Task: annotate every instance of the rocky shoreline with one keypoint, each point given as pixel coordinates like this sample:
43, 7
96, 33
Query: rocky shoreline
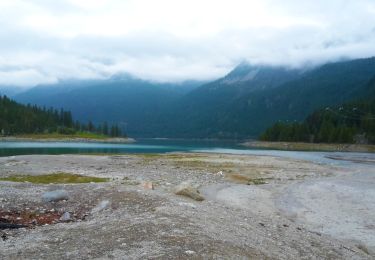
295, 146
188, 205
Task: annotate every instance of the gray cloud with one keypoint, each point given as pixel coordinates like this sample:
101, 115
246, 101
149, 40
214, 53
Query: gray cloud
44, 41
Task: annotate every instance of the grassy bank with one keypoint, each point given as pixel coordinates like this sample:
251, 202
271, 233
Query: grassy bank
291, 146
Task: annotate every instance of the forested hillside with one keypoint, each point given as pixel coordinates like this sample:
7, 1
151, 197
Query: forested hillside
26, 119
249, 114
136, 106
240, 105
352, 122
17, 119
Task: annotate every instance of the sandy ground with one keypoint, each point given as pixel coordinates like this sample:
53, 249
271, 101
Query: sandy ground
302, 210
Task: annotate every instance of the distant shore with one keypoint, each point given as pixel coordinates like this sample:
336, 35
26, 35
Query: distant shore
291, 146
66, 138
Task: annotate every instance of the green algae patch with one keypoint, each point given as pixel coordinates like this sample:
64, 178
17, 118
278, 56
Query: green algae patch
56, 178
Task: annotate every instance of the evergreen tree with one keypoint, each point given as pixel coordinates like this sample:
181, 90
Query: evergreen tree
331, 125
105, 128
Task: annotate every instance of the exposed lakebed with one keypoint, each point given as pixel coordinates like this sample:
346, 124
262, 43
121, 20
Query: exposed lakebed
257, 204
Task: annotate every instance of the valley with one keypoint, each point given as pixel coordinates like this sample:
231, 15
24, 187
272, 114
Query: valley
240, 105
143, 129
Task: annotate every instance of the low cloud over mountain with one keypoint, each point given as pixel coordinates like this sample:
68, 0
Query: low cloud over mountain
166, 40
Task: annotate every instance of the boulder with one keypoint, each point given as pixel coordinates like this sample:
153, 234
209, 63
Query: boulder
188, 190
56, 195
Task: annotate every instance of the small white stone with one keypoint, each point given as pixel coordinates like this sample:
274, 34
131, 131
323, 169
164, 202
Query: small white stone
101, 206
189, 252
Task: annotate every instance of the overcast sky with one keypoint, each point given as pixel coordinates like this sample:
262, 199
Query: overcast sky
42, 41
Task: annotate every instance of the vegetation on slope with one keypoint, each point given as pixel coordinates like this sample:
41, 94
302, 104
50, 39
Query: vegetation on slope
227, 111
17, 119
352, 122
241, 105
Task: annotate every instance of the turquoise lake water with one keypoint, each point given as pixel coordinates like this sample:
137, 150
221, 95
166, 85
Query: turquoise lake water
141, 146
169, 145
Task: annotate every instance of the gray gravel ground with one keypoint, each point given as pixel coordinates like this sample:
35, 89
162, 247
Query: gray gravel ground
304, 211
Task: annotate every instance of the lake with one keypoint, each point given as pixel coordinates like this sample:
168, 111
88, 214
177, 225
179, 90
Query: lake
172, 145
141, 146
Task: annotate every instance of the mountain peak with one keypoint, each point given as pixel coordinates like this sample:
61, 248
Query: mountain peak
259, 76
123, 76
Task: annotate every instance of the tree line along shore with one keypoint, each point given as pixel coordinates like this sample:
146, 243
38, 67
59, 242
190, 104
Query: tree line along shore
26, 121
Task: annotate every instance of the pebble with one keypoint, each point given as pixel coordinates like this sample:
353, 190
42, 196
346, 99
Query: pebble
148, 185
65, 217
101, 206
191, 205
189, 252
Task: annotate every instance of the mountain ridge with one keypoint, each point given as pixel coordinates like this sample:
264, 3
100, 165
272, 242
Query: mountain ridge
241, 104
